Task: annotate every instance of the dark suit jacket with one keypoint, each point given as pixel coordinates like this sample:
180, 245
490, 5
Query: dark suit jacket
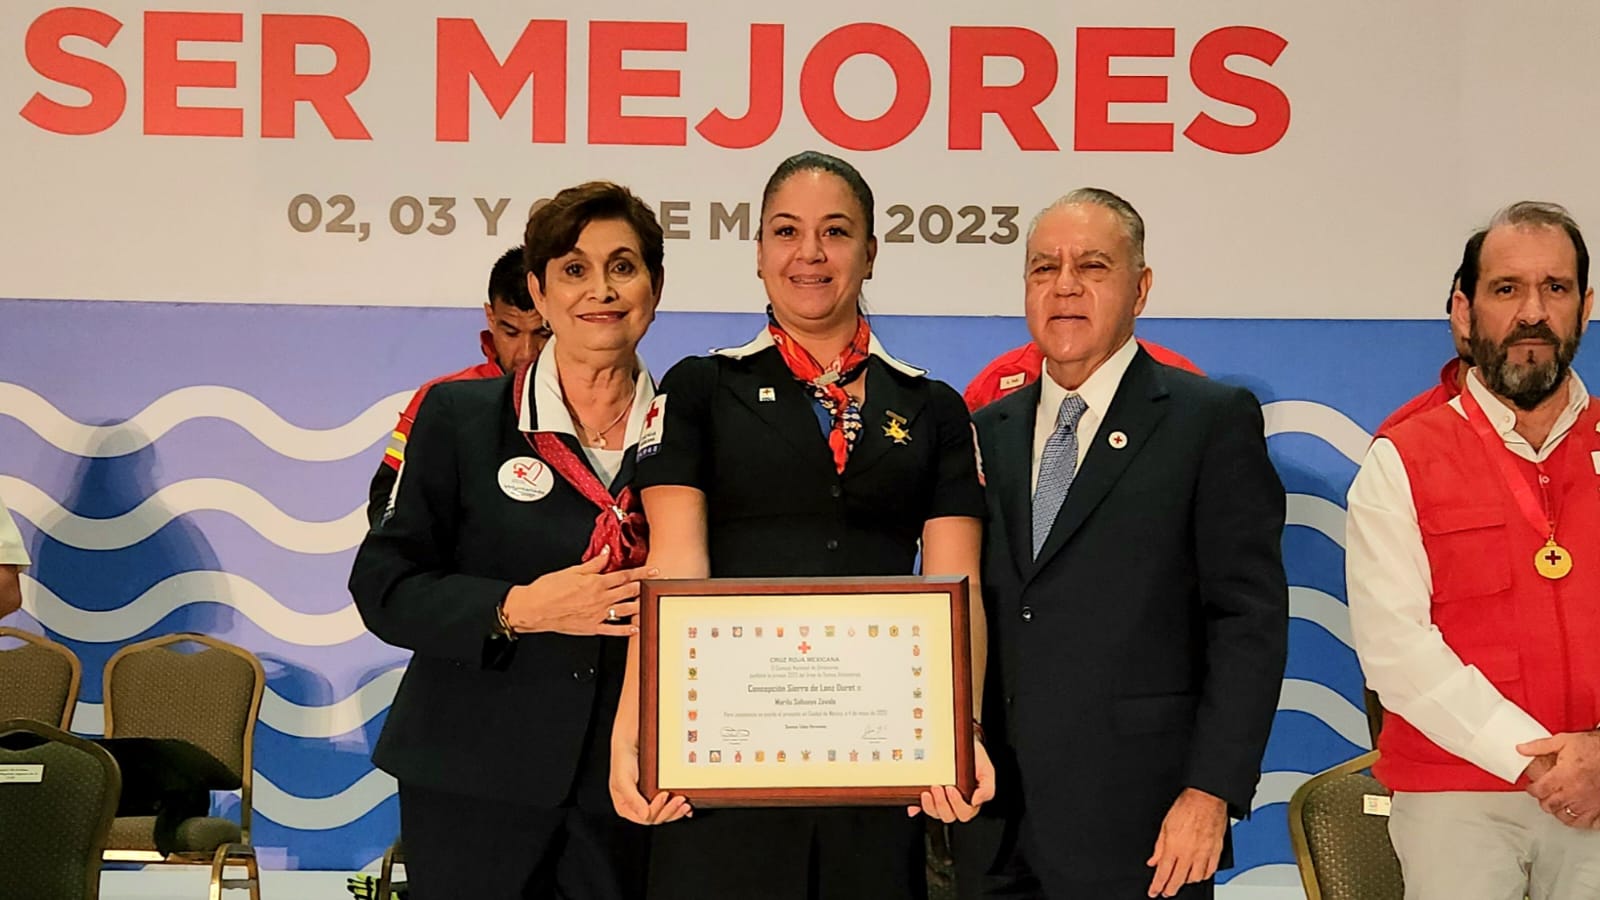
1143, 652
475, 714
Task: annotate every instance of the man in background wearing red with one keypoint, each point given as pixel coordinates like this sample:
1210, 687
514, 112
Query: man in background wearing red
1451, 377
515, 335
1015, 369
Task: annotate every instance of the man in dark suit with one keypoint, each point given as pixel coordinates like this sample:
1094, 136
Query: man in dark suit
1134, 584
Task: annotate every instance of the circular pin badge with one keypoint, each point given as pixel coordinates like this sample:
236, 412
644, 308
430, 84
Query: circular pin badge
1117, 440
526, 479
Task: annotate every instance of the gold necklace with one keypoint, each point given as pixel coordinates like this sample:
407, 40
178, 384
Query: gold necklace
598, 438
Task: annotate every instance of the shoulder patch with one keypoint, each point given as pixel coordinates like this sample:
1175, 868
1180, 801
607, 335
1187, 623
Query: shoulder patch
655, 427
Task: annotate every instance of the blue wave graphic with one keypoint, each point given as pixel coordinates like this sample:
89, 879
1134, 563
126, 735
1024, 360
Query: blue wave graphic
1322, 658
1313, 560
252, 450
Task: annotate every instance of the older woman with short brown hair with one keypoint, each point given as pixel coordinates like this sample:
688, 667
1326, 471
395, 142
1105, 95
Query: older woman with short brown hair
510, 567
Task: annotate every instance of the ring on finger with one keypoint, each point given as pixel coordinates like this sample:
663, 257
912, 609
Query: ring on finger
1569, 812
611, 613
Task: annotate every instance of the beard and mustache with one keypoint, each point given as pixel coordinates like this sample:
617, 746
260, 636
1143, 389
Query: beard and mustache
1526, 383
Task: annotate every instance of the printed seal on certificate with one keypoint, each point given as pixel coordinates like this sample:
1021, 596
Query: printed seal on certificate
805, 691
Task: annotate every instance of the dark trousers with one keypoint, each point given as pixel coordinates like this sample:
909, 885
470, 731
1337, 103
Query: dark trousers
460, 847
871, 853
995, 861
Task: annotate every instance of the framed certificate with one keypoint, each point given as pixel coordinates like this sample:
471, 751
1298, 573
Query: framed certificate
804, 691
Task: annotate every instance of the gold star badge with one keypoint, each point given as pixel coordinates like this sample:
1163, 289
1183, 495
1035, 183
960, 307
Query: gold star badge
895, 429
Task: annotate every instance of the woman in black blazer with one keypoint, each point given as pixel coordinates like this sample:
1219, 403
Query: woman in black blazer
510, 562
771, 463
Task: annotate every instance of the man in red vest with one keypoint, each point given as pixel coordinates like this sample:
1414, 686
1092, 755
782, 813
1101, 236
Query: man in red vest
1020, 366
1474, 572
1451, 377
515, 335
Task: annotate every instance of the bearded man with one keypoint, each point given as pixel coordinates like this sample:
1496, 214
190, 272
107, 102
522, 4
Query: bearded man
1473, 569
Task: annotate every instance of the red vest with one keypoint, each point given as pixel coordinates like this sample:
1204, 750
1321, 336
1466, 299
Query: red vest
1537, 640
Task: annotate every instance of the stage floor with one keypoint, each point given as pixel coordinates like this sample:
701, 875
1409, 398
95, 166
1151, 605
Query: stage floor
191, 885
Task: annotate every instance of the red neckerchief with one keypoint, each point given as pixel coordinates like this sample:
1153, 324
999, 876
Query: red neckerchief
620, 524
828, 384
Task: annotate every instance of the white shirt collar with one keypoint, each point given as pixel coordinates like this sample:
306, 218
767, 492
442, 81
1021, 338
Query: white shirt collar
764, 340
544, 386
1504, 419
1097, 391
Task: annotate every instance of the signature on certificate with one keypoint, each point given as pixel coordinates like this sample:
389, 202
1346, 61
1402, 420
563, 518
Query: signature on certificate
875, 733
735, 734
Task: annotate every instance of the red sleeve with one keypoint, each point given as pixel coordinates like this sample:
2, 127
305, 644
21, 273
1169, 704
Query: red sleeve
981, 390
394, 452
1169, 357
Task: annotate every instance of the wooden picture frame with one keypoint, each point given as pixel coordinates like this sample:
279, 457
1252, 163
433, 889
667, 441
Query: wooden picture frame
866, 702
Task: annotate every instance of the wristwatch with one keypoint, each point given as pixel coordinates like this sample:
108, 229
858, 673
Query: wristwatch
502, 625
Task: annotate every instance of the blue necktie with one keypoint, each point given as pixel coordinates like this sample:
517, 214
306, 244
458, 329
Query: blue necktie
1057, 467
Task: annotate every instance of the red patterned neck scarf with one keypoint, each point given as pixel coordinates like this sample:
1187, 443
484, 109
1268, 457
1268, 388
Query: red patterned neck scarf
620, 524
827, 384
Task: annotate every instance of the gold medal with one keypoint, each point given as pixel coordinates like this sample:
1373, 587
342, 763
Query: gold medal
1552, 561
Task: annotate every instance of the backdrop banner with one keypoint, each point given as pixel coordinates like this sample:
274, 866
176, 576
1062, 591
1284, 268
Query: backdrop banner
306, 197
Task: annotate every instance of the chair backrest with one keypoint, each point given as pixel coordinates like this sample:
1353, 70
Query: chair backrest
53, 831
38, 680
1341, 847
210, 699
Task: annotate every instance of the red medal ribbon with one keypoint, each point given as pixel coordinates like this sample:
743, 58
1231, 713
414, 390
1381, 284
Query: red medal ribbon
828, 384
1538, 514
620, 524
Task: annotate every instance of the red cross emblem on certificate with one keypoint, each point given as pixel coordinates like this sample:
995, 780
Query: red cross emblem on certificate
804, 647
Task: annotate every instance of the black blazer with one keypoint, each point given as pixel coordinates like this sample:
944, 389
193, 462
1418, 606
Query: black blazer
1143, 652
775, 504
475, 714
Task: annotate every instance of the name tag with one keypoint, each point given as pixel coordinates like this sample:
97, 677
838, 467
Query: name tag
22, 773
1375, 804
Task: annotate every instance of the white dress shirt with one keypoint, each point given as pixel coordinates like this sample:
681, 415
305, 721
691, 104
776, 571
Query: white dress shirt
12, 553
1097, 391
1390, 585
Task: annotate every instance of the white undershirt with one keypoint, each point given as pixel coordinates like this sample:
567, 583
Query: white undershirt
1390, 586
606, 463
1097, 391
